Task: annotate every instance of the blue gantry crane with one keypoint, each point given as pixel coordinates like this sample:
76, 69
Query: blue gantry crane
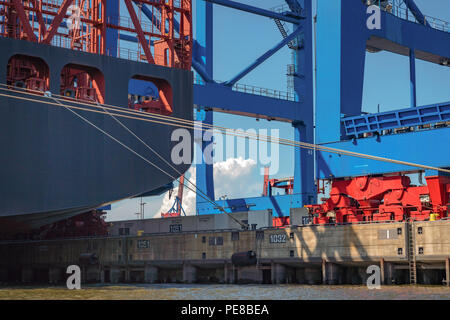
329, 56
298, 111
337, 120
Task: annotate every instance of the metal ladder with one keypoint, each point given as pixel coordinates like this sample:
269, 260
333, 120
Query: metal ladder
412, 253
281, 27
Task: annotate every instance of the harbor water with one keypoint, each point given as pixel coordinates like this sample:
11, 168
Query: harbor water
225, 292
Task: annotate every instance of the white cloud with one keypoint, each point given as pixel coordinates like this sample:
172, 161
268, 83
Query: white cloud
232, 178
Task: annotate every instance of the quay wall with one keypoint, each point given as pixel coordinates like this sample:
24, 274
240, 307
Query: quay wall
300, 254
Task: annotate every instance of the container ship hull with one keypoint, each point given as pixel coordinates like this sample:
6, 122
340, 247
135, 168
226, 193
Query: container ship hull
55, 165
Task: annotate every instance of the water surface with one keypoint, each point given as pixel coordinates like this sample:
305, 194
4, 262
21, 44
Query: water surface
234, 292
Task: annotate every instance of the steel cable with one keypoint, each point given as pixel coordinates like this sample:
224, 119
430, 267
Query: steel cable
190, 124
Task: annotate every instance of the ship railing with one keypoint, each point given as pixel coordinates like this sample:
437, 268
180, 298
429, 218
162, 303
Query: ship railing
280, 8
127, 23
52, 5
176, 3
245, 88
133, 55
62, 42
128, 54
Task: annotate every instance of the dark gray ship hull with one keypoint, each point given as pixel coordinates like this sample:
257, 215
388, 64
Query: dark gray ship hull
55, 165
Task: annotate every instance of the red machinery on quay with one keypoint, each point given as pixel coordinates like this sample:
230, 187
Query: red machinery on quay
383, 198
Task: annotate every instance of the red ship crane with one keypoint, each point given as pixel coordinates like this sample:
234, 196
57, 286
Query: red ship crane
161, 33
177, 207
86, 24
83, 26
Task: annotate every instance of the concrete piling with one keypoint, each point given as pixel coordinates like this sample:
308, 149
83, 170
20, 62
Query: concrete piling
27, 275
389, 273
447, 271
150, 274
102, 276
331, 273
278, 273
92, 274
249, 274
127, 276
54, 275
328, 273
313, 275
115, 275
382, 270
300, 275
229, 273
3, 275
189, 273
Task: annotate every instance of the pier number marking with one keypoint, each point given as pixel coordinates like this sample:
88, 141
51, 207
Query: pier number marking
174, 228
143, 244
277, 238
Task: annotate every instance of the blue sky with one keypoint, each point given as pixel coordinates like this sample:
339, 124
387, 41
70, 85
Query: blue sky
240, 37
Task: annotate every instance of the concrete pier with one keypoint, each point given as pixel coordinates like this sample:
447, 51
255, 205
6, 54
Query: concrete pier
92, 274
27, 275
330, 273
189, 273
447, 271
150, 274
249, 274
229, 273
278, 273
54, 275
3, 275
127, 277
430, 276
389, 273
306, 255
312, 276
102, 276
115, 275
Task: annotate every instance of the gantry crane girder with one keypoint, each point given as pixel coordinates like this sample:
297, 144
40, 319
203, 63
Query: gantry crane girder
225, 97
342, 42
